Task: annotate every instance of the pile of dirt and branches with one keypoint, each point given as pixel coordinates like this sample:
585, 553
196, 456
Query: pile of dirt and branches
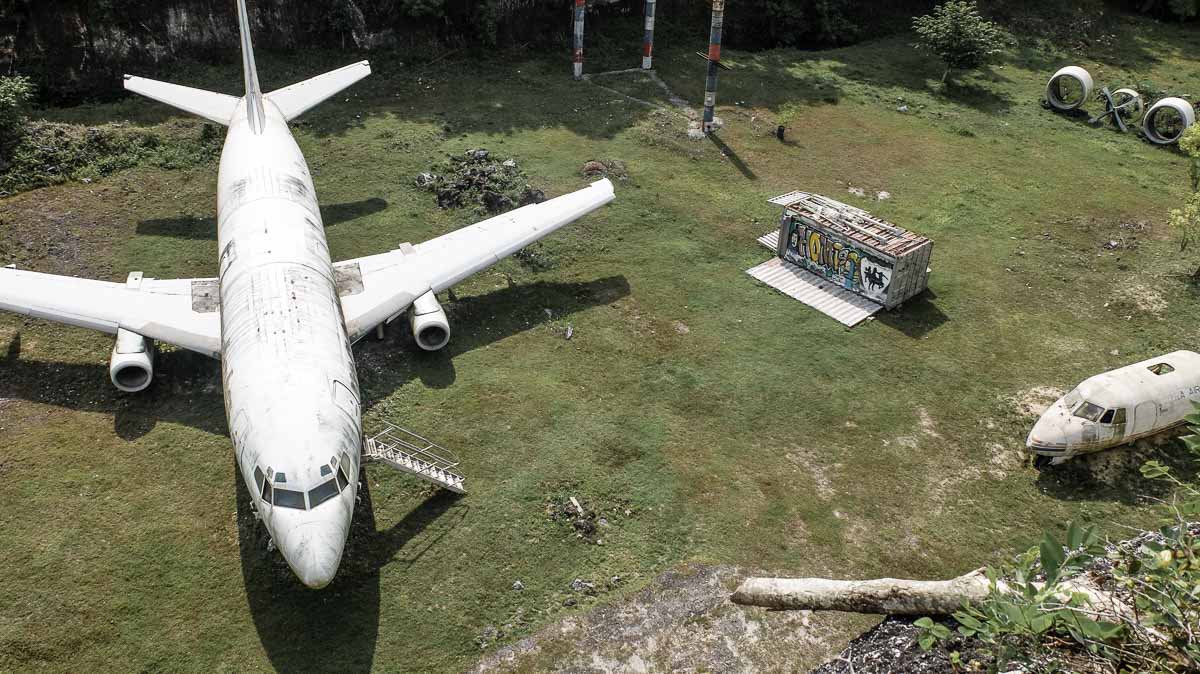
478, 178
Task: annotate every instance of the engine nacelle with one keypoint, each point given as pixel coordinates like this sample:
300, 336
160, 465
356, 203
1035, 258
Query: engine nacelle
428, 321
131, 367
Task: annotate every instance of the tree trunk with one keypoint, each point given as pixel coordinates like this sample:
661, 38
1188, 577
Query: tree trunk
889, 596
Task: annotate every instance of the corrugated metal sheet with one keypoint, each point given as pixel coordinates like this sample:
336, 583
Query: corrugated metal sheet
770, 239
844, 306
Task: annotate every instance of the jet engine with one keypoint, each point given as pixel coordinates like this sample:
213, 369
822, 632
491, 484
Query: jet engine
428, 322
131, 367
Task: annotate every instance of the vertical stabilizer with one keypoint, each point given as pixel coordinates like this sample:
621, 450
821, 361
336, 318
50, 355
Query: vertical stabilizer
254, 96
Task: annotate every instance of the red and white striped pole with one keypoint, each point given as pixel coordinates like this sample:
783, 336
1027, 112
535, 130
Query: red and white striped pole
580, 6
648, 40
714, 58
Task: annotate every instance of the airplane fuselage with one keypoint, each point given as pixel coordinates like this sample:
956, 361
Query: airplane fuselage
291, 389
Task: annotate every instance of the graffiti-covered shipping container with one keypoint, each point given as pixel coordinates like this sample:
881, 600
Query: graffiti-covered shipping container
852, 248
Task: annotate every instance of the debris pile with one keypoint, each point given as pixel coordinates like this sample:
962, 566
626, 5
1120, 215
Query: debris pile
605, 168
478, 178
587, 520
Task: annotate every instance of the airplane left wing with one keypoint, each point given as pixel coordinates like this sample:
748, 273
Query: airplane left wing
183, 312
378, 288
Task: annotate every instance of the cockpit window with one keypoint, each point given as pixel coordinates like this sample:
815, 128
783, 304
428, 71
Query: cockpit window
289, 499
1108, 417
1161, 368
1119, 417
341, 478
281, 477
322, 493
326, 470
266, 492
1089, 411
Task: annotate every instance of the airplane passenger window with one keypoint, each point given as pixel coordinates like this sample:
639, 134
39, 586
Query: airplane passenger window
322, 493
1108, 417
289, 499
1089, 411
1120, 416
1161, 368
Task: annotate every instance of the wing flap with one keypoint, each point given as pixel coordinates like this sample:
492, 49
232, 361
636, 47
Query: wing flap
161, 310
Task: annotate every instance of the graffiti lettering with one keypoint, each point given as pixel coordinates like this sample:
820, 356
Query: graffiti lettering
837, 260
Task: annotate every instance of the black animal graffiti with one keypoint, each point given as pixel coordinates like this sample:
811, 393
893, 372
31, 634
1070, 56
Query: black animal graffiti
874, 278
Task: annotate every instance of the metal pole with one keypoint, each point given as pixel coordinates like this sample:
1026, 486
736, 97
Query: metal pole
580, 6
714, 57
648, 40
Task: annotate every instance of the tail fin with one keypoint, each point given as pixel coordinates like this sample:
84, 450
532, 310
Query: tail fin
299, 98
254, 96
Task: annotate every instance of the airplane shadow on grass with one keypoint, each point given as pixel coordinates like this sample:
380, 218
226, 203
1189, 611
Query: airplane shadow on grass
200, 228
187, 386
335, 628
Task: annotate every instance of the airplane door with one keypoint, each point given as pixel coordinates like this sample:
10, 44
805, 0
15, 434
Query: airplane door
1145, 418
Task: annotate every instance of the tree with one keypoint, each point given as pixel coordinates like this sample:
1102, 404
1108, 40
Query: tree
959, 35
15, 96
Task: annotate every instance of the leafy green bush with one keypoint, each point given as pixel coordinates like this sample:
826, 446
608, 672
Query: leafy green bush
49, 153
1185, 222
15, 96
959, 35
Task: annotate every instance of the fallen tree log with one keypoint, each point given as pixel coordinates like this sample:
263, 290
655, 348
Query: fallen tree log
889, 596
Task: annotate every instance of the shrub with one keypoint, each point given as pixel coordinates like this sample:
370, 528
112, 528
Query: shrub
959, 36
15, 96
48, 153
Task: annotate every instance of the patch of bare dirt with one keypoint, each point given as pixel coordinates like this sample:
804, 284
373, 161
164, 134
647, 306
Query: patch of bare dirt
807, 461
1037, 400
1140, 297
683, 622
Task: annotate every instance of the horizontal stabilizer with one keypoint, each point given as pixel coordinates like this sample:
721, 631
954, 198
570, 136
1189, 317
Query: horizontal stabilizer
207, 104
299, 98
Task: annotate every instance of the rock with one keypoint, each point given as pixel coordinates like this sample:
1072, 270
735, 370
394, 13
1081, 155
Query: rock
425, 180
883, 195
478, 155
518, 586
531, 195
569, 601
509, 164
857, 191
903, 108
584, 586
594, 168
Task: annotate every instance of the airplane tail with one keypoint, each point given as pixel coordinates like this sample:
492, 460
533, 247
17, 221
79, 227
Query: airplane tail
254, 95
292, 101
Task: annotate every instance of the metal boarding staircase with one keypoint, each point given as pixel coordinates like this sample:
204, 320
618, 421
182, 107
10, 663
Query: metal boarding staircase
406, 451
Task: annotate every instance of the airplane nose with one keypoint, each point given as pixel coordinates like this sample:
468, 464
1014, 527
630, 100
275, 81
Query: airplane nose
314, 551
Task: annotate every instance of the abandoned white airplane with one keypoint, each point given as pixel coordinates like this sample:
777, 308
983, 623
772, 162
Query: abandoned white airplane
281, 317
1118, 407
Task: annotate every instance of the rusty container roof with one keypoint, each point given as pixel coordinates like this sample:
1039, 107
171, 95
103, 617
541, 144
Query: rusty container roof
851, 222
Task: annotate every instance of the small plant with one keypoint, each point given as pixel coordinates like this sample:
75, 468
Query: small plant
1185, 222
959, 36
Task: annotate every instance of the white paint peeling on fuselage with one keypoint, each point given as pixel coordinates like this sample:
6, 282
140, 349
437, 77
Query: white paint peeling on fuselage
291, 390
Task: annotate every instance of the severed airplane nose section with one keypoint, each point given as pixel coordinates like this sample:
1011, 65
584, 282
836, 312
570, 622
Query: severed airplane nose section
314, 551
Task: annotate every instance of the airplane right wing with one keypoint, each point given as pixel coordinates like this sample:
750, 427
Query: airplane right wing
378, 288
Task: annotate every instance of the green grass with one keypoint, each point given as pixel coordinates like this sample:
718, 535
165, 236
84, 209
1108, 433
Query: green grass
763, 434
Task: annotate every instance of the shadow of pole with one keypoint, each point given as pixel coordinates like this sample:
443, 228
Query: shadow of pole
733, 157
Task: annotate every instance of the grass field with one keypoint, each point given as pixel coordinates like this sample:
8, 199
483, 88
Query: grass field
707, 416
